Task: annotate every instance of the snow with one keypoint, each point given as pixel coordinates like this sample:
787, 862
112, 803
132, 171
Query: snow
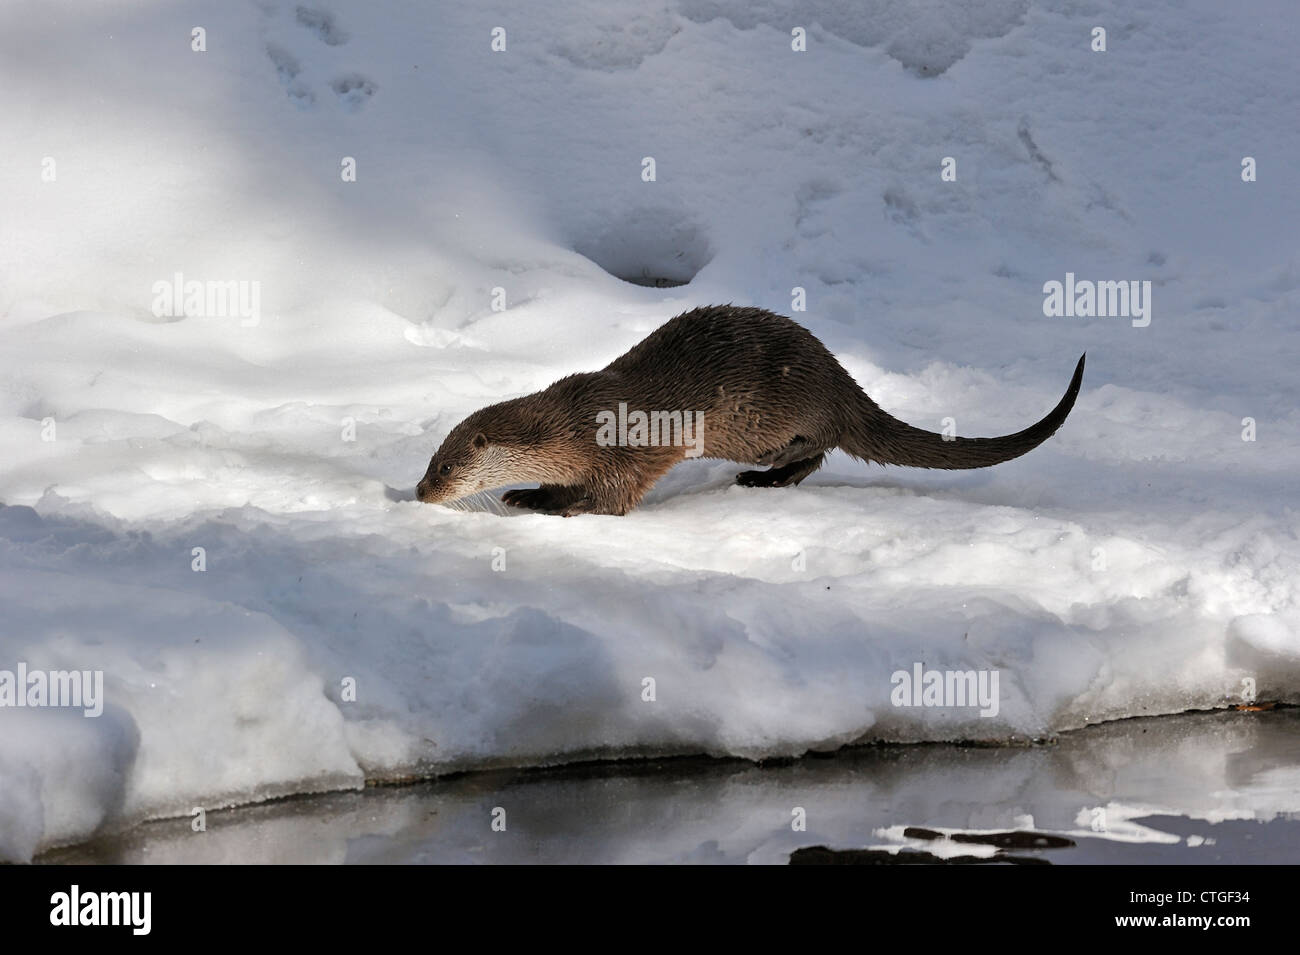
1142, 561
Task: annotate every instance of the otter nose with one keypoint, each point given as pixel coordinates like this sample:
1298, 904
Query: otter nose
422, 490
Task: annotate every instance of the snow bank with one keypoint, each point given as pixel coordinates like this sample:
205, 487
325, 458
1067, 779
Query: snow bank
1144, 561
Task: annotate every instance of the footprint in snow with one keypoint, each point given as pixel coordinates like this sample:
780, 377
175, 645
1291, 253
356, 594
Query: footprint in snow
353, 90
321, 23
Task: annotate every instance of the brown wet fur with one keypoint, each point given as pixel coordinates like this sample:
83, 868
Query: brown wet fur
772, 396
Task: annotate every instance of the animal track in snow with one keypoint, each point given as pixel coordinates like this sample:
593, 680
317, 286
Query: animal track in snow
285, 63
615, 40
287, 67
925, 36
321, 23
353, 90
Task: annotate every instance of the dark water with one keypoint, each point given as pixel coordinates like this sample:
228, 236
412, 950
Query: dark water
1198, 788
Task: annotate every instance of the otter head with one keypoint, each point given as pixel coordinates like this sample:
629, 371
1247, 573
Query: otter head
484, 451
456, 468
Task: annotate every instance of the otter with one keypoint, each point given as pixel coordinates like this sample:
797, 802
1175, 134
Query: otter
766, 391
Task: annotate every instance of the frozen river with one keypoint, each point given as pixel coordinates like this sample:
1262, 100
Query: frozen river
1221, 787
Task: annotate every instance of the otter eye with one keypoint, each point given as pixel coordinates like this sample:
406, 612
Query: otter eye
445, 470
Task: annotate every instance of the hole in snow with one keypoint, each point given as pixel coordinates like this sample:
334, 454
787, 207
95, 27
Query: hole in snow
657, 248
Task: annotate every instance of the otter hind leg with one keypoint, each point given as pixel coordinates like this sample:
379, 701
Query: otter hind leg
788, 474
798, 449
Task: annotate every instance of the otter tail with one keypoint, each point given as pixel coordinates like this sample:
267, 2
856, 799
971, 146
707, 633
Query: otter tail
880, 437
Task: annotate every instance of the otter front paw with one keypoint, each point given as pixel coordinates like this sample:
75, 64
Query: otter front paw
532, 498
757, 478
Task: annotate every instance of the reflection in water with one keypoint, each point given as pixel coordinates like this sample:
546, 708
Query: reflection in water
1204, 787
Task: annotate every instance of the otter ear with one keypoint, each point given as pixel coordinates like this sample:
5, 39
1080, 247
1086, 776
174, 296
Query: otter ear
480, 441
